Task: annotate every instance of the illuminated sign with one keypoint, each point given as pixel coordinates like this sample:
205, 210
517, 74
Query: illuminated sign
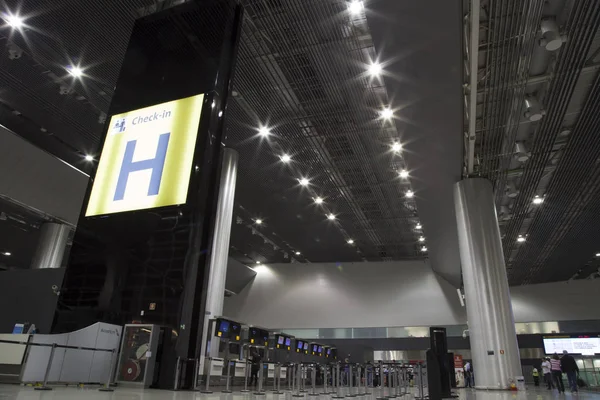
147, 158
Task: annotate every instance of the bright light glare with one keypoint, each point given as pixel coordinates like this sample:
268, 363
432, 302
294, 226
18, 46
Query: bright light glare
286, 158
387, 113
76, 71
258, 262
89, 158
396, 147
410, 194
375, 69
521, 239
350, 241
14, 21
404, 174
303, 181
421, 239
297, 253
597, 254
319, 200
424, 249
264, 131
355, 7
258, 221
331, 217
7, 253
419, 226
538, 200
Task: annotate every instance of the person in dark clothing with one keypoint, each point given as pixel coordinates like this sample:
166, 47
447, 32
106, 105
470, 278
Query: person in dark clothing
569, 367
255, 359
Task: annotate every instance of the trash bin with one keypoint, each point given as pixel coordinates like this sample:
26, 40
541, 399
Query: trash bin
520, 382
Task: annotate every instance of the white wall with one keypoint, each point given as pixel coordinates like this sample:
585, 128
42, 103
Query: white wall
39, 180
346, 295
357, 295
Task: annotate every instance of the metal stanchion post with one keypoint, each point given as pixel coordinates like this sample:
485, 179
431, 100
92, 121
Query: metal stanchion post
177, 373
338, 393
227, 390
350, 382
325, 373
358, 380
107, 387
206, 388
381, 382
298, 377
48, 367
260, 391
390, 380
196, 373
313, 376
278, 376
246, 369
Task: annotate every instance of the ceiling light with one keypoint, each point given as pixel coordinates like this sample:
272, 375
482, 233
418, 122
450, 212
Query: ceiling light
396, 147
375, 69
533, 109
597, 254
14, 21
424, 249
297, 253
355, 7
264, 131
258, 221
538, 200
286, 158
404, 174
258, 262
350, 241
303, 181
521, 153
7, 253
319, 200
76, 71
410, 194
551, 39
419, 226
387, 113
89, 158
421, 239
331, 217
521, 239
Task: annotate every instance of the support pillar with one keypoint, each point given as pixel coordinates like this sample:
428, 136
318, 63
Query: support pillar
51, 246
494, 348
219, 254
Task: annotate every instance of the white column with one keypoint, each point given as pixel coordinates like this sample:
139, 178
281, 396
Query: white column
51, 246
494, 347
220, 246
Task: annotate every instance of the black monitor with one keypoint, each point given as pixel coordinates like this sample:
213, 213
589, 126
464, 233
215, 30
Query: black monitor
227, 329
258, 336
315, 349
320, 349
305, 347
280, 339
288, 341
299, 346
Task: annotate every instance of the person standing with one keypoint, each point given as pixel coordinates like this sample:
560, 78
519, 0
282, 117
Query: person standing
255, 359
468, 374
536, 377
557, 373
569, 367
546, 370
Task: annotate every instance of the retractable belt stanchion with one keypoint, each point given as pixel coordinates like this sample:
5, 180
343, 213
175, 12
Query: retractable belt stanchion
390, 379
313, 378
228, 378
106, 387
381, 382
338, 386
260, 391
325, 376
359, 380
246, 370
298, 385
278, 377
350, 382
48, 367
207, 383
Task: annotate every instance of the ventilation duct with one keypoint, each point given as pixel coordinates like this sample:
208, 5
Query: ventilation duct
551, 39
533, 109
521, 153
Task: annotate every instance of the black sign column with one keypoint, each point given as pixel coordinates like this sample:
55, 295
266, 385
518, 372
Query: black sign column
141, 250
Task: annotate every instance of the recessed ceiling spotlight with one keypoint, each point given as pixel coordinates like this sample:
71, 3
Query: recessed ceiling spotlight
304, 181
89, 158
264, 131
7, 253
258, 262
75, 71
375, 69
419, 226
319, 200
410, 194
355, 7
330, 217
259, 221
297, 253
597, 254
424, 249
396, 147
404, 174
350, 241
14, 21
521, 239
538, 200
286, 158
387, 113
421, 239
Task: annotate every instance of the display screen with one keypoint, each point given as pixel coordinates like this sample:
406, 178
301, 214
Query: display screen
300, 344
306, 346
315, 348
328, 352
147, 158
288, 341
224, 328
581, 344
320, 349
280, 339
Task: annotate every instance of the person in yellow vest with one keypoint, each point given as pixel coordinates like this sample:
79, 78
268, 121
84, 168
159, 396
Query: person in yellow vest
536, 377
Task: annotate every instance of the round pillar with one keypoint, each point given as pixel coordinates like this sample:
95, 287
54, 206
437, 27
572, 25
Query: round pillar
494, 347
51, 246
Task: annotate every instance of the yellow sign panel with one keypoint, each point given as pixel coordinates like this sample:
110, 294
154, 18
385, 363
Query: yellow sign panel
147, 158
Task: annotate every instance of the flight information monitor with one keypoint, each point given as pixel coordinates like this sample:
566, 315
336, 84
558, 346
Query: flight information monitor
306, 347
320, 349
299, 346
288, 341
586, 345
227, 329
258, 336
280, 339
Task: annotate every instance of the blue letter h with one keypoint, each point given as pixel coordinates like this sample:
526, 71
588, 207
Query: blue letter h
155, 164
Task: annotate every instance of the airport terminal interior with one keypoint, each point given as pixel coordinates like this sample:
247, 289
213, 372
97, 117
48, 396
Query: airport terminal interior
279, 199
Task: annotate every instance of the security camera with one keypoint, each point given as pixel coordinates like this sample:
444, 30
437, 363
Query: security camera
64, 90
14, 51
55, 290
464, 335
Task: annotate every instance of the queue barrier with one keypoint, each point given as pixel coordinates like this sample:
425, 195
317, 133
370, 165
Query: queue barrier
53, 347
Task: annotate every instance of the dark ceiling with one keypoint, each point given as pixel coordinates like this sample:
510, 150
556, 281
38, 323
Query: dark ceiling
302, 72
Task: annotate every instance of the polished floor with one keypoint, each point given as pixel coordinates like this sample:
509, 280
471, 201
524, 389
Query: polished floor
14, 392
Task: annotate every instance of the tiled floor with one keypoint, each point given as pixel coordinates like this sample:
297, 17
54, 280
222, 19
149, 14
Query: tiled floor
13, 392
